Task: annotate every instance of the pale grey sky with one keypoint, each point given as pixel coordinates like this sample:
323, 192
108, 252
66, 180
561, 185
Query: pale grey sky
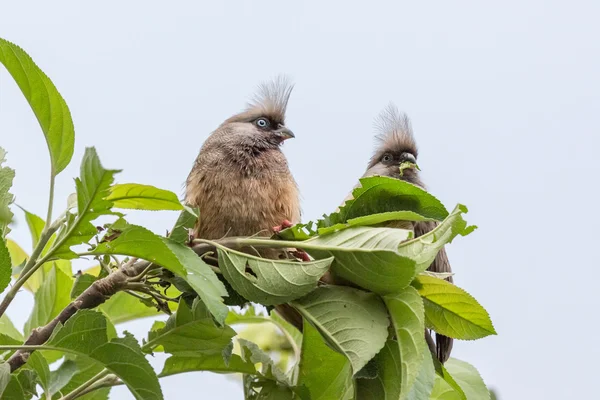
504, 100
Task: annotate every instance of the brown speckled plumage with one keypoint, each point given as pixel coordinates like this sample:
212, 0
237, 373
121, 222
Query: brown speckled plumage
240, 180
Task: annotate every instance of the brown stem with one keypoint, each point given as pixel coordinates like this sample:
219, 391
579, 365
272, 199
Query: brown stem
92, 297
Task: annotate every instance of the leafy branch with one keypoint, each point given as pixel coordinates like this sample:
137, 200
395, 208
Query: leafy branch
365, 337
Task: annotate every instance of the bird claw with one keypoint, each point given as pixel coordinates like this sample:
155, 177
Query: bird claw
301, 255
284, 225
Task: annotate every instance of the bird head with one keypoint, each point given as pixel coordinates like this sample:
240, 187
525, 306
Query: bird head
262, 124
395, 145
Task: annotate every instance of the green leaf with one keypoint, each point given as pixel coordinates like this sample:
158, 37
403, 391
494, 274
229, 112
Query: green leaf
250, 352
136, 241
270, 282
190, 333
50, 299
451, 311
8, 328
353, 322
123, 307
366, 256
383, 195
187, 220
202, 279
423, 249
85, 333
406, 312
214, 363
82, 282
77, 370
47, 104
38, 363
4, 376
17, 255
468, 379
325, 373
425, 379
41, 275
36, 226
21, 386
388, 384
5, 265
143, 197
62, 376
445, 387
93, 186
6, 198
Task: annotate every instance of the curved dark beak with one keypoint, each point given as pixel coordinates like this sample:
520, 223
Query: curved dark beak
284, 133
409, 157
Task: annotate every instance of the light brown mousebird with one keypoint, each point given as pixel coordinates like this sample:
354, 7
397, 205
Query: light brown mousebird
240, 181
395, 145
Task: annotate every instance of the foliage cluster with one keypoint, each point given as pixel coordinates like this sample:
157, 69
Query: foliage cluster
362, 341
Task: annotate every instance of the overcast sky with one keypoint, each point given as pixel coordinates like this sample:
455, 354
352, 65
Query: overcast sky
504, 100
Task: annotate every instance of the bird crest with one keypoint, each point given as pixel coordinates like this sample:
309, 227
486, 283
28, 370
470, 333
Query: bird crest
395, 133
270, 101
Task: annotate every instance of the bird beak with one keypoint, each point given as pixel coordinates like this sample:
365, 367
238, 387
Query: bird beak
409, 157
284, 133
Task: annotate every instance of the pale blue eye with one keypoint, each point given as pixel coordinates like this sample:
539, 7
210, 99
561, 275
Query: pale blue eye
262, 122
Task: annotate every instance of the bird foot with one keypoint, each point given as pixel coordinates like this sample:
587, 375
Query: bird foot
301, 255
284, 225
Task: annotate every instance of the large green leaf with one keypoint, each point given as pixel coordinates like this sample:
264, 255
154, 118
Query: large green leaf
50, 299
451, 311
46, 102
143, 197
92, 189
85, 333
406, 312
270, 282
425, 379
366, 256
423, 249
325, 373
352, 321
6, 198
386, 196
137, 241
191, 333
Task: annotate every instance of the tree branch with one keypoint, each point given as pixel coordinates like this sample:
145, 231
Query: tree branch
100, 291
92, 297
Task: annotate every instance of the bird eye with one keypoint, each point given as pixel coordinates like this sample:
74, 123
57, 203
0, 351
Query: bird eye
262, 122
386, 158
